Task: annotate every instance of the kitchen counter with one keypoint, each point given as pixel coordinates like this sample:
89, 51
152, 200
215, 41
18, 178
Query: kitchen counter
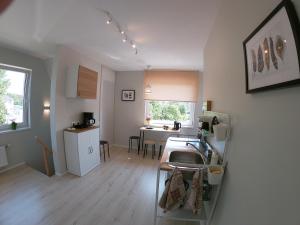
79, 130
175, 144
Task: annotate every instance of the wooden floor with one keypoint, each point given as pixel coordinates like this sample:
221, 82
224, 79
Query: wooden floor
120, 191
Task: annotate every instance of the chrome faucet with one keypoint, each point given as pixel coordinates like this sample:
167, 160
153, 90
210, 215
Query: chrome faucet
201, 153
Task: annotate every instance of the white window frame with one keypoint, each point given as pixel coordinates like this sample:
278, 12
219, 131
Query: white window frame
160, 123
26, 124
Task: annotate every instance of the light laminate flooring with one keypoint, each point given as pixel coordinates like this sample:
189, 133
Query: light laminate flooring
121, 191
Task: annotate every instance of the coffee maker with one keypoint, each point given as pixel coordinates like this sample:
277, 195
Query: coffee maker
88, 119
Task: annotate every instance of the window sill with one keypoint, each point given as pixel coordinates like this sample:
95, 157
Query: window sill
169, 125
13, 131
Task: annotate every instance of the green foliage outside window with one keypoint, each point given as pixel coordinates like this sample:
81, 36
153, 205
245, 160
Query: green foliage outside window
4, 84
165, 110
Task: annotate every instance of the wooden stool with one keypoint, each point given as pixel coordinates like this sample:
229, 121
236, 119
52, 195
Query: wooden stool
161, 144
137, 138
103, 143
149, 142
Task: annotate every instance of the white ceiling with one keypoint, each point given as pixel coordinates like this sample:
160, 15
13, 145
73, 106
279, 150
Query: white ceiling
170, 34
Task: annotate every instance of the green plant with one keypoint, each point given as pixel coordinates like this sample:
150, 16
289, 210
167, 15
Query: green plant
14, 125
4, 84
165, 110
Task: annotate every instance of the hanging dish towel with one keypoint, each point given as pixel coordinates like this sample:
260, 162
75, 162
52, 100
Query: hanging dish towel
194, 201
3, 156
174, 194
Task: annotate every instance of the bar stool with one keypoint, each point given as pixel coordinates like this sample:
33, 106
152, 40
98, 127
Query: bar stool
152, 143
137, 138
162, 143
103, 143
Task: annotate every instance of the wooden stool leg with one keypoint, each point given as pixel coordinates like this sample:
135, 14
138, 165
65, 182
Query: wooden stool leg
159, 154
138, 143
104, 152
153, 151
129, 145
108, 150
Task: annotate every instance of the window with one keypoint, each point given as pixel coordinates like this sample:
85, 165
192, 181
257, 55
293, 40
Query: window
14, 97
166, 112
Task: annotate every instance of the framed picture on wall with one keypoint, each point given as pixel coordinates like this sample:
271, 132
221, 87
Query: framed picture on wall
272, 51
128, 95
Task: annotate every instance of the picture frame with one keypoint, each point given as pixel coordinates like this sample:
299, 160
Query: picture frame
272, 51
128, 95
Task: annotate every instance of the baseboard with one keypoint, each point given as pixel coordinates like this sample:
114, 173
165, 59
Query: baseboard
12, 167
60, 174
120, 146
124, 146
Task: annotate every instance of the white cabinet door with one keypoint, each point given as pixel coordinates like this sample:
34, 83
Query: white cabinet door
84, 150
88, 147
94, 140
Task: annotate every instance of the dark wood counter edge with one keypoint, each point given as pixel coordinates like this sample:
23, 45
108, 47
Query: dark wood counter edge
81, 130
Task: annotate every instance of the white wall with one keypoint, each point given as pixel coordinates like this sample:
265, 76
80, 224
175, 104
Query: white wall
66, 110
23, 146
262, 184
129, 116
107, 104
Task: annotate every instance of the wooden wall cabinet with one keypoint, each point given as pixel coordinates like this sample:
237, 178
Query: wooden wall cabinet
81, 82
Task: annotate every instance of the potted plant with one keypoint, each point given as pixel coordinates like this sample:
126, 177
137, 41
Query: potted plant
13, 125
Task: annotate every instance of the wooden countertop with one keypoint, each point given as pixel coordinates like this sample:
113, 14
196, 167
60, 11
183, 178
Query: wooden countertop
80, 130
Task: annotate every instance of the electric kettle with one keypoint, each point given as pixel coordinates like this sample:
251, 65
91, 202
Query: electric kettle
177, 125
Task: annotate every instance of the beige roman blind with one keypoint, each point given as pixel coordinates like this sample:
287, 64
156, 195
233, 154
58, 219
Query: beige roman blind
171, 85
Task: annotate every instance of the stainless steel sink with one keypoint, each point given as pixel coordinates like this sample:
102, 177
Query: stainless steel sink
186, 157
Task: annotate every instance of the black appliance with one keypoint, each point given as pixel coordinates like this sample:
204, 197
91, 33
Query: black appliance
88, 119
177, 125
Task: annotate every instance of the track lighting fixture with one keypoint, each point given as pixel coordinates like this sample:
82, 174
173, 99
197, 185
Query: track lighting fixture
108, 21
125, 38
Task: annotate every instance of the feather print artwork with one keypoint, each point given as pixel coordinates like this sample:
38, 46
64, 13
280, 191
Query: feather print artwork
260, 58
254, 62
280, 47
273, 56
267, 53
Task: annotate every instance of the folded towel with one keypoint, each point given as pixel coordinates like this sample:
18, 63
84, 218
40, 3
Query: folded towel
194, 201
174, 194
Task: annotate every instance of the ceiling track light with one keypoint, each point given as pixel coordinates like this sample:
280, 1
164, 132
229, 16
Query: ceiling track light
125, 38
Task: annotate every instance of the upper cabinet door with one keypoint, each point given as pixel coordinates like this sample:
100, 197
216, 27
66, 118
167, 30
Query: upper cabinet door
87, 83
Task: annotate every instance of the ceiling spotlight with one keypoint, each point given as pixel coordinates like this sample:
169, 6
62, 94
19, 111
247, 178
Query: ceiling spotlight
133, 45
108, 21
124, 40
122, 32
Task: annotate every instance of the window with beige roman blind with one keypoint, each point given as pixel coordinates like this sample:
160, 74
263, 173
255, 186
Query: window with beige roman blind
170, 96
171, 85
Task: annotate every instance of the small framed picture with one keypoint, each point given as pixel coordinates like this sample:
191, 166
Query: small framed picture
272, 51
128, 95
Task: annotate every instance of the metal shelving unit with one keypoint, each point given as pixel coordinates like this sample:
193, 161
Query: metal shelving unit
206, 213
